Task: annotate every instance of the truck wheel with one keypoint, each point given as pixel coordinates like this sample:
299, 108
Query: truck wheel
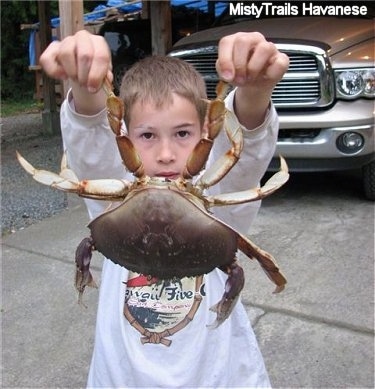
368, 176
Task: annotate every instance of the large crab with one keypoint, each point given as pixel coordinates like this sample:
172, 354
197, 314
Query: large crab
162, 228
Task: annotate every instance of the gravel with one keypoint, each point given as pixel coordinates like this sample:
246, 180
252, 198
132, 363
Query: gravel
24, 201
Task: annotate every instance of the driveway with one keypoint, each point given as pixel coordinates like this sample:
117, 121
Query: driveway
317, 333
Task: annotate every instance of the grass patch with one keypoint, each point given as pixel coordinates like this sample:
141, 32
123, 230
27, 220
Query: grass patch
12, 107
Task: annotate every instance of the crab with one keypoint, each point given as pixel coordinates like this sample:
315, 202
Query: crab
163, 228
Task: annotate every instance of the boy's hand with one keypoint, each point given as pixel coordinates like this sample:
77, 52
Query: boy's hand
249, 59
83, 58
255, 66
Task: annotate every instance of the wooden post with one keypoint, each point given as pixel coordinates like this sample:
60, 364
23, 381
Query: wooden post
161, 26
50, 115
145, 14
71, 21
71, 17
211, 10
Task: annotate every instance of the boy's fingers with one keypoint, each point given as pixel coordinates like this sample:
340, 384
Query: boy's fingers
241, 54
260, 59
224, 63
78, 55
50, 63
66, 57
278, 67
84, 58
235, 53
84, 55
92, 60
100, 65
249, 57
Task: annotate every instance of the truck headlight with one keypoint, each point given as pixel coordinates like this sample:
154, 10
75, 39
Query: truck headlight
354, 83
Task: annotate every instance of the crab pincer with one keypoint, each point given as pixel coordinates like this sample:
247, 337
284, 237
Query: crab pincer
83, 275
233, 287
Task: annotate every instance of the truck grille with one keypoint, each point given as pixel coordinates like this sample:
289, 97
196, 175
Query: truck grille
308, 82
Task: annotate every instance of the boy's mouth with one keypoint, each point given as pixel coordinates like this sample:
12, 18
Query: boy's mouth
169, 175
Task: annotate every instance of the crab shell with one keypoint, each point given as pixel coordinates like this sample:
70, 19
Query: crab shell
161, 231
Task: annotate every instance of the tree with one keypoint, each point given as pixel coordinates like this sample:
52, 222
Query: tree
17, 81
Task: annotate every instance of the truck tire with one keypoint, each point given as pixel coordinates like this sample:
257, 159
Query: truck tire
368, 177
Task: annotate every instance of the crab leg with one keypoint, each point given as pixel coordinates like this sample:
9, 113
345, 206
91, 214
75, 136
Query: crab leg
245, 196
129, 156
224, 164
213, 124
115, 115
67, 181
266, 261
115, 108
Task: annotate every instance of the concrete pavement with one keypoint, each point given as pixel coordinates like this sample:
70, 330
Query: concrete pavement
317, 333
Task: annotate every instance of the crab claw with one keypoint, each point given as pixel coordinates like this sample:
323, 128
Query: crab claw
83, 276
233, 287
66, 181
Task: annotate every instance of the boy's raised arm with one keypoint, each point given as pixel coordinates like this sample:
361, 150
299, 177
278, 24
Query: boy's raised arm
255, 66
246, 60
85, 60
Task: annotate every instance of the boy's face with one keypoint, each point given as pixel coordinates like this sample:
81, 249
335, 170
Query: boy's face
164, 137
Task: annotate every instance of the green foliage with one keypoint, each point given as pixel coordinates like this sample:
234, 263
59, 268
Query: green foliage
10, 107
16, 80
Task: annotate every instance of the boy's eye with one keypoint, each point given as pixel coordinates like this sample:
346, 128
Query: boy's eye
147, 135
182, 134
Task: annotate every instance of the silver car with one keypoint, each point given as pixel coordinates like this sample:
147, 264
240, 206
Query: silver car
326, 99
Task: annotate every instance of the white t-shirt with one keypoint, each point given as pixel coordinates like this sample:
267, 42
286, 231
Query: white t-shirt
131, 308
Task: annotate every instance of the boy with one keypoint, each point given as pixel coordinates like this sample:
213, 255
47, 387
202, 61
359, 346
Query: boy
163, 98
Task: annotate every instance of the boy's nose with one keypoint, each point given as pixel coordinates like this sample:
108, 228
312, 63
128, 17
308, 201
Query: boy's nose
166, 153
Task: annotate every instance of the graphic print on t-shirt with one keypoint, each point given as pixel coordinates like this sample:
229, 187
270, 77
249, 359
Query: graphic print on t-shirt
160, 308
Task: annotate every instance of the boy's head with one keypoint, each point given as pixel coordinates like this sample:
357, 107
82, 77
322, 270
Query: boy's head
165, 109
155, 78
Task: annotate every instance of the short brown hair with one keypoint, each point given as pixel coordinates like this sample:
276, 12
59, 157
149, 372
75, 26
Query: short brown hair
155, 78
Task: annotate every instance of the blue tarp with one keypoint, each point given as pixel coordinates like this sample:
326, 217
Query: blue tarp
201, 5
130, 8
32, 54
